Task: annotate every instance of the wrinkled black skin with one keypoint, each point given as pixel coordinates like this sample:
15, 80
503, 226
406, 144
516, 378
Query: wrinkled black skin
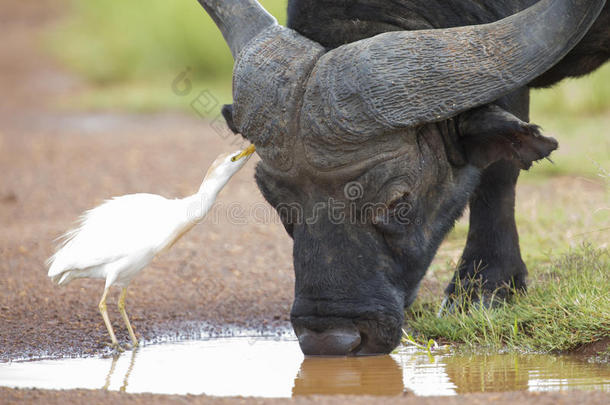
492, 251
365, 274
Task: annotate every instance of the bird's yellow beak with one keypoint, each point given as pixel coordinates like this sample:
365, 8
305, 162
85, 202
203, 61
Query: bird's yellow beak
246, 152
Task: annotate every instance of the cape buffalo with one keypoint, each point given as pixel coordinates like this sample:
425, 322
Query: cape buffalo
492, 254
371, 150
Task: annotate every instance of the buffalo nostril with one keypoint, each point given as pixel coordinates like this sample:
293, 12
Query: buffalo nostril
331, 342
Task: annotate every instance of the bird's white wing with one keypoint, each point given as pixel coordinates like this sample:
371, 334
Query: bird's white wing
135, 224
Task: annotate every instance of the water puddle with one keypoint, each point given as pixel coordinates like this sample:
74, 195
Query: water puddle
268, 367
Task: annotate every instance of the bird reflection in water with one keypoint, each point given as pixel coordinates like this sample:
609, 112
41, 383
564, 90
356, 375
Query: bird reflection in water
375, 375
115, 359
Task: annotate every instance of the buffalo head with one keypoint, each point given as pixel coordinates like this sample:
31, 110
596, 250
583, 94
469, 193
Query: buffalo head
362, 154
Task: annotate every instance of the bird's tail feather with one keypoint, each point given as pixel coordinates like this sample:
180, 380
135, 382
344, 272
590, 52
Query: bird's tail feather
65, 277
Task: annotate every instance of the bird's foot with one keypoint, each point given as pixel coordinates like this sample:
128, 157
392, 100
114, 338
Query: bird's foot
115, 346
132, 346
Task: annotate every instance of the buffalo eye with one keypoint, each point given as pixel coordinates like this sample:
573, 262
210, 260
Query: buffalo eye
400, 209
396, 212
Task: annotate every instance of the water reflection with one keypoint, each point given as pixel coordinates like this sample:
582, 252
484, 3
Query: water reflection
115, 360
487, 373
276, 368
379, 375
496, 373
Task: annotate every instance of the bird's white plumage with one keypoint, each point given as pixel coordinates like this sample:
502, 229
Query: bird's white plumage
115, 240
129, 230
120, 237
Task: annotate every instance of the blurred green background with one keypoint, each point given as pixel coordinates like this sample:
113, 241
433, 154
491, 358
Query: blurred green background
131, 52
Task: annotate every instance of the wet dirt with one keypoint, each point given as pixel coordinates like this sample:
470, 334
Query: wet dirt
232, 274
54, 397
276, 368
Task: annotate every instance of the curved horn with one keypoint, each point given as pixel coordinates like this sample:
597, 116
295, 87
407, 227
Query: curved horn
408, 78
238, 20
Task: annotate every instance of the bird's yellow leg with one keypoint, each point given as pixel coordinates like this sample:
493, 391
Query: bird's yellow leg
132, 335
104, 312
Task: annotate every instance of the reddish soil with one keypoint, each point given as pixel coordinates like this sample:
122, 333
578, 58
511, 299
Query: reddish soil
104, 397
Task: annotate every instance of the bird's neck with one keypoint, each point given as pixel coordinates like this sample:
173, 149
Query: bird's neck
211, 186
200, 203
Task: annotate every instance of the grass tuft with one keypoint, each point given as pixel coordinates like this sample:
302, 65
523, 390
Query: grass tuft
567, 306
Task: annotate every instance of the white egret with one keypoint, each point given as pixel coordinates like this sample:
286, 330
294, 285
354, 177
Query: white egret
119, 238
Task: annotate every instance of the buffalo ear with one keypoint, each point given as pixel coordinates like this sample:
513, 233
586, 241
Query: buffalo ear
227, 113
490, 133
277, 195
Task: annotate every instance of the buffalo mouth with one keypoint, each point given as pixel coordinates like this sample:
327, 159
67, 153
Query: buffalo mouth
338, 336
340, 341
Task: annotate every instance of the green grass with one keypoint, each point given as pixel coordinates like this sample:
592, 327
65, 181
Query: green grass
584, 146
116, 40
567, 306
588, 96
130, 52
577, 113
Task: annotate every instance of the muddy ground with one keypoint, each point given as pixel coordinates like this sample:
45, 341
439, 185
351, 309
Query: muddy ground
104, 397
232, 272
